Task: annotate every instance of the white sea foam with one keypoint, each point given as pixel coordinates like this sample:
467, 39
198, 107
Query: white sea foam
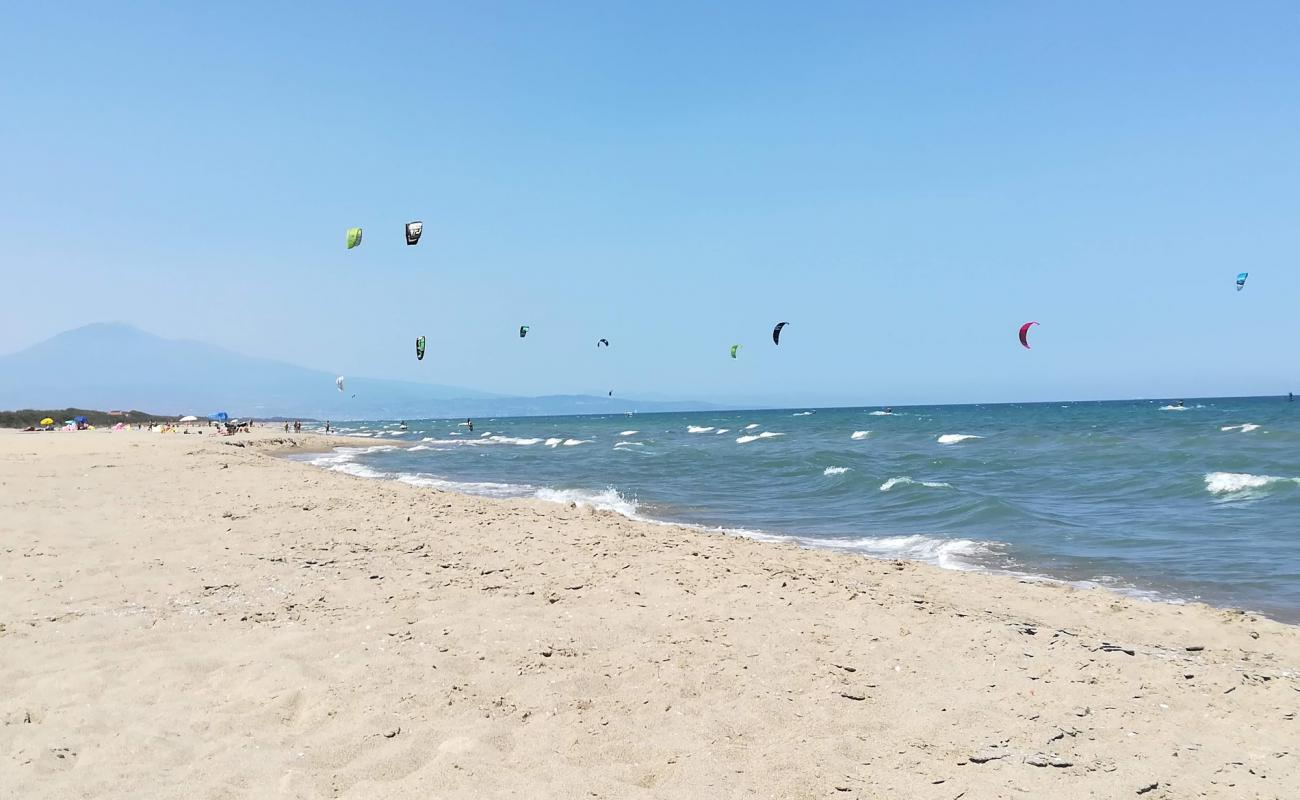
418, 448
629, 433
515, 440
882, 413
343, 460
721, 431
956, 554
955, 438
484, 488
860, 435
756, 437
342, 454
553, 442
751, 426
698, 428
836, 470
803, 413
1173, 408
1247, 428
608, 500
1243, 485
904, 480
619, 445
358, 470
576, 442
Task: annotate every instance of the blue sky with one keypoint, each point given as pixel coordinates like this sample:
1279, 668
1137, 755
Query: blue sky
904, 183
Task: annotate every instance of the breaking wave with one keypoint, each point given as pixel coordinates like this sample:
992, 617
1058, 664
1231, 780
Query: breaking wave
904, 480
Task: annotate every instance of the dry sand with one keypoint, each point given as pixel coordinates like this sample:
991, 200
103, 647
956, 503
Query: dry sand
184, 618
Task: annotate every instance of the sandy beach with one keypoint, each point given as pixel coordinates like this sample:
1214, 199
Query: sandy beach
192, 616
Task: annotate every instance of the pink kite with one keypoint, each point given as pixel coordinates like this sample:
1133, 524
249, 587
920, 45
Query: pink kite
1024, 334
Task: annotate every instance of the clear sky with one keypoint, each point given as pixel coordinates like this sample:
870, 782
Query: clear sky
905, 183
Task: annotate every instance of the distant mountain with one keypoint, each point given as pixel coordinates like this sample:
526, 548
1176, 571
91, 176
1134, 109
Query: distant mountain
111, 365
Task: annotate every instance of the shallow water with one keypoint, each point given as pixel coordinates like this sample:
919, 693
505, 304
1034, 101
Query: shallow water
1201, 503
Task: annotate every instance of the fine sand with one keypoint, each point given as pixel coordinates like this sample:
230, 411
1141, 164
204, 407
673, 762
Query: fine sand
184, 618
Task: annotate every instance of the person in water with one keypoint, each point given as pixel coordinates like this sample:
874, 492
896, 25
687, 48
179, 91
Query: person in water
889, 409
470, 423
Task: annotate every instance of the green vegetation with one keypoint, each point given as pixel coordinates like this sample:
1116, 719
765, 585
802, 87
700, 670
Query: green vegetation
32, 417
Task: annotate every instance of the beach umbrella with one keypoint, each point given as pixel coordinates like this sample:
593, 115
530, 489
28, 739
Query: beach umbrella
47, 421
189, 418
220, 416
79, 419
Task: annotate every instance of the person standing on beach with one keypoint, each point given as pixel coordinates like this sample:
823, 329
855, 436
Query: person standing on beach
327, 426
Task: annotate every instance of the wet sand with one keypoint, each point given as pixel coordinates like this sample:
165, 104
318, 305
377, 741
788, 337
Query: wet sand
186, 618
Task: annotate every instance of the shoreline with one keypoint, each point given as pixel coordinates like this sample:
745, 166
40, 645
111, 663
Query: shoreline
179, 611
591, 499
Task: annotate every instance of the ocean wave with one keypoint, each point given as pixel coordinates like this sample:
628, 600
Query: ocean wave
859, 435
629, 433
881, 414
958, 554
955, 438
575, 442
553, 442
515, 440
698, 428
1243, 485
904, 480
619, 445
608, 500
721, 431
341, 454
751, 426
836, 470
803, 413
1246, 428
357, 470
756, 437
418, 448
1174, 408
483, 488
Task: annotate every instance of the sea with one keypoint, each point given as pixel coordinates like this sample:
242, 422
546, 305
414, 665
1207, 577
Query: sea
1198, 502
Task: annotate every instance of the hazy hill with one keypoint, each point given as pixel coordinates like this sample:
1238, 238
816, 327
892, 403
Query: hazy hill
111, 366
